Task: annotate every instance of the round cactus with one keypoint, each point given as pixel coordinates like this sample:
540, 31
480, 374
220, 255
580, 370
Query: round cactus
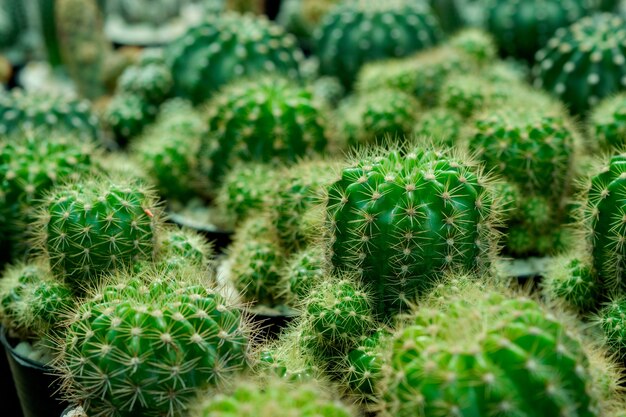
44, 306
168, 151
401, 218
611, 320
94, 226
263, 120
302, 272
585, 62
607, 122
150, 79
476, 43
226, 47
155, 340
468, 94
572, 281
355, 32
21, 110
127, 115
522, 27
300, 17
375, 116
441, 125
268, 397
31, 163
478, 352
13, 24
362, 368
187, 246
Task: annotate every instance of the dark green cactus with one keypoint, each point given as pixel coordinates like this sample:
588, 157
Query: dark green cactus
264, 120
150, 78
585, 62
184, 247
441, 125
607, 122
45, 305
356, 32
155, 340
227, 47
477, 44
362, 369
611, 320
573, 281
400, 218
127, 115
302, 272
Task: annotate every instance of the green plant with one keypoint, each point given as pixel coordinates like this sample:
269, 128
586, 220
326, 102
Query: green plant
611, 320
573, 281
227, 47
144, 345
477, 44
300, 17
469, 94
356, 32
607, 122
95, 226
362, 368
127, 115
399, 218
178, 247
265, 120
585, 62
302, 271
441, 125
521, 28
150, 78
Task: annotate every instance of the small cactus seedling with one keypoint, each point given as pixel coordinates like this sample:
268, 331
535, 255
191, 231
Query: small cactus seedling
153, 341
264, 120
572, 281
522, 27
227, 47
441, 125
302, 272
94, 226
401, 217
271, 397
584, 63
607, 122
356, 32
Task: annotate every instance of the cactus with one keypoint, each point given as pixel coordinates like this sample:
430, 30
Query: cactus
611, 320
182, 246
607, 122
127, 115
286, 358
362, 368
300, 17
14, 29
84, 48
572, 281
150, 78
469, 94
44, 305
373, 116
168, 151
245, 191
356, 32
302, 272
477, 44
263, 120
400, 218
476, 352
441, 125
585, 62
31, 163
94, 226
171, 337
32, 110
521, 28
227, 47
267, 397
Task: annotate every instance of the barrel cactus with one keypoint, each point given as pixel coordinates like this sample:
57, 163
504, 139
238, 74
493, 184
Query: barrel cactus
302, 272
362, 368
572, 281
401, 217
184, 247
127, 115
264, 120
154, 340
607, 122
585, 62
611, 320
443, 126
356, 32
227, 47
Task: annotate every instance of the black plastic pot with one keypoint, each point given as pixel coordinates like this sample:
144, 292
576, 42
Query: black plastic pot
10, 401
270, 322
35, 385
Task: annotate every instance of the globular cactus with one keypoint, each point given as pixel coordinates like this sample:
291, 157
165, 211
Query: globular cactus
611, 321
168, 151
356, 32
300, 17
127, 115
256, 259
46, 111
245, 191
150, 78
45, 305
362, 368
607, 122
522, 27
585, 62
477, 44
173, 336
399, 218
302, 271
478, 351
227, 47
375, 116
572, 281
269, 396
31, 163
95, 226
183, 247
441, 125
469, 94
264, 120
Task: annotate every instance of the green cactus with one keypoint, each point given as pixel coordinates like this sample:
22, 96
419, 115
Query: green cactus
153, 340
522, 27
127, 115
441, 125
94, 226
374, 116
607, 122
477, 351
264, 120
13, 24
328, 89
572, 281
168, 151
227, 47
150, 78
271, 397
611, 320
182, 246
400, 218
300, 17
45, 305
245, 191
33, 110
469, 94
287, 358
477, 44
362, 368
31, 163
302, 271
356, 32
584, 63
